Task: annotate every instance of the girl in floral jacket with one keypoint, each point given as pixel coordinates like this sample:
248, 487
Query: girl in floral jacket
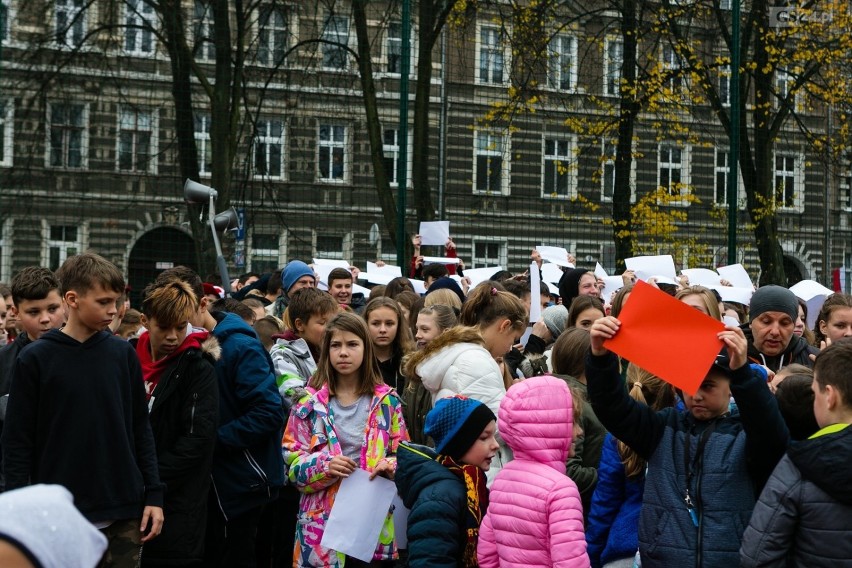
348, 419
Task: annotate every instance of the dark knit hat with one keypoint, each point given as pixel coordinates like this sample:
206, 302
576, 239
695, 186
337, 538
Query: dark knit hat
773, 299
294, 270
569, 284
449, 284
455, 423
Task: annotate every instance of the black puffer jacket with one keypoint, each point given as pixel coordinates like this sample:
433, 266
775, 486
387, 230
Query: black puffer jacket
184, 417
804, 515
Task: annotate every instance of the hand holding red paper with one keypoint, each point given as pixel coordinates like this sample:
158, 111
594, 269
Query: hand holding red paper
666, 337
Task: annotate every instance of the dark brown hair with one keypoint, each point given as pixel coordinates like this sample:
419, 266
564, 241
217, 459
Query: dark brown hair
33, 283
832, 368
82, 272
369, 370
580, 304
308, 302
568, 356
834, 302
403, 343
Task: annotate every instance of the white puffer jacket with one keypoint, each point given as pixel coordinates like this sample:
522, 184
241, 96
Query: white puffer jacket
467, 369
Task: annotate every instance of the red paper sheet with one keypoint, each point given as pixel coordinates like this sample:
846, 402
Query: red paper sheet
666, 337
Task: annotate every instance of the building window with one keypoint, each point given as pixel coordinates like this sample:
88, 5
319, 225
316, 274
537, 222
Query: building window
203, 145
5, 16
607, 172
61, 242
489, 252
558, 179
784, 83
332, 159
68, 144
613, 61
562, 71
492, 60
672, 67
203, 33
267, 248
491, 166
390, 150
70, 22
845, 186
136, 140
269, 149
671, 160
725, 85
722, 171
274, 36
139, 23
336, 35
7, 128
6, 237
788, 181
394, 47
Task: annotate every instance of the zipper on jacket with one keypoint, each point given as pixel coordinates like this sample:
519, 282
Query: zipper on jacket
256, 467
192, 413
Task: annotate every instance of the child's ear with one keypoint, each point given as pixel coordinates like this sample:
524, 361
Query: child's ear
299, 325
71, 298
832, 397
505, 325
143, 320
203, 304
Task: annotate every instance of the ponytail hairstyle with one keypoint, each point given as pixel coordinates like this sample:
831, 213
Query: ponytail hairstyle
371, 377
489, 302
653, 392
403, 343
833, 302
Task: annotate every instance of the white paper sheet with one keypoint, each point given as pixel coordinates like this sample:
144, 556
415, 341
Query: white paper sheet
525, 337
660, 279
434, 232
612, 284
702, 277
332, 262
356, 289
535, 293
814, 295
556, 255
551, 273
552, 288
736, 275
735, 294
373, 268
599, 271
478, 275
323, 270
357, 516
400, 522
439, 260
648, 266
418, 285
376, 277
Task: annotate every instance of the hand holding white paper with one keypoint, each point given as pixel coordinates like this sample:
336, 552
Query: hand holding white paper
358, 514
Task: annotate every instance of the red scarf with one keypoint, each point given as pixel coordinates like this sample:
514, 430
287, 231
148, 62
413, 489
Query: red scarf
477, 504
152, 371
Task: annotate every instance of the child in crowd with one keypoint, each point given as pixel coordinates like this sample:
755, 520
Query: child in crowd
705, 464
183, 399
77, 414
391, 338
348, 419
340, 283
612, 532
583, 312
37, 306
445, 489
804, 515
796, 401
535, 517
131, 324
834, 320
431, 323
463, 359
266, 329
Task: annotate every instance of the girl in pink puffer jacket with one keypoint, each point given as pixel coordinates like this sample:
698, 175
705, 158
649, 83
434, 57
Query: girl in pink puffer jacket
535, 516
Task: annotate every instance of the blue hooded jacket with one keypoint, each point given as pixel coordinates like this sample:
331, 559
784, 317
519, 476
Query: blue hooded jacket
248, 467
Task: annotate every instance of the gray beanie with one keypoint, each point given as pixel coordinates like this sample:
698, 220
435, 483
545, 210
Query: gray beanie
42, 522
554, 318
773, 299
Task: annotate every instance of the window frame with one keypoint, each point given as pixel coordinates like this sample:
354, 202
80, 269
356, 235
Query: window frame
75, 15
270, 44
326, 56
7, 132
6, 29
64, 246
570, 170
671, 61
557, 70
332, 144
269, 141
612, 74
203, 143
783, 82
265, 254
501, 48
7, 234
844, 186
610, 162
146, 24
505, 155
84, 137
725, 85
725, 170
797, 174
486, 261
683, 167
203, 48
153, 143
346, 242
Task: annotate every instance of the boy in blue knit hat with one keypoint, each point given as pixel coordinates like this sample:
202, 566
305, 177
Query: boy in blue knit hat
445, 488
295, 276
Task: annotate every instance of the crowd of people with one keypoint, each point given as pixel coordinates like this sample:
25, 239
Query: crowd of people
196, 429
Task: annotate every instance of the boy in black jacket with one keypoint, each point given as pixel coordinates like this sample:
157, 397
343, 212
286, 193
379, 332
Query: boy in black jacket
183, 398
77, 415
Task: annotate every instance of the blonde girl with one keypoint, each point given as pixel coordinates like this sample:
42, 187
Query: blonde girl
702, 299
391, 337
348, 419
463, 359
